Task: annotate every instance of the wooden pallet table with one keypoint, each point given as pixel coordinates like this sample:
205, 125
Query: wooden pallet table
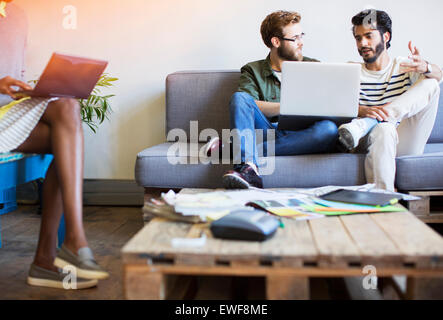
422, 208
394, 243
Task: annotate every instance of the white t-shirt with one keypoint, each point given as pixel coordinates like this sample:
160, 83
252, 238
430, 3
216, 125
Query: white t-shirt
277, 74
381, 87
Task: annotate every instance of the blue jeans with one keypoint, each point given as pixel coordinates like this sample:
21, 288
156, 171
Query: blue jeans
245, 114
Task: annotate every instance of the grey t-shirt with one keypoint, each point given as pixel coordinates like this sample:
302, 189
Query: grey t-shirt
13, 32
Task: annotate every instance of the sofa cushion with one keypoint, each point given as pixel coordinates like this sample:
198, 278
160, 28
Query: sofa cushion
154, 170
202, 96
423, 172
437, 131
434, 148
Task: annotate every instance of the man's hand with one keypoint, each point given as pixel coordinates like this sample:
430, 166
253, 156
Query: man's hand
269, 109
375, 112
418, 64
7, 84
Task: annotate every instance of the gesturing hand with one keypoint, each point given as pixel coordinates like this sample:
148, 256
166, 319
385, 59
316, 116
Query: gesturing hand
7, 84
375, 112
418, 64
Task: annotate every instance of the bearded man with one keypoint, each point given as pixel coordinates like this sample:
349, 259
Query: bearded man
256, 105
398, 100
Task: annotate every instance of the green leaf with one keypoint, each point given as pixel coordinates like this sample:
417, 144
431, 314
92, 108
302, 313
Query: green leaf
96, 108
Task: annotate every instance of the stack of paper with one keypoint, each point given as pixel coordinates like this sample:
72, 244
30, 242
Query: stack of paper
291, 203
332, 208
288, 208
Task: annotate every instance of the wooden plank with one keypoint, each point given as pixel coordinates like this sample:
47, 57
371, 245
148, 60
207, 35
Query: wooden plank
281, 287
418, 243
426, 193
155, 240
299, 272
146, 284
240, 253
420, 207
291, 246
375, 246
155, 237
143, 284
335, 246
431, 218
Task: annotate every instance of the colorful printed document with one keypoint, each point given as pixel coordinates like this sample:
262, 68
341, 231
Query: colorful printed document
288, 208
339, 208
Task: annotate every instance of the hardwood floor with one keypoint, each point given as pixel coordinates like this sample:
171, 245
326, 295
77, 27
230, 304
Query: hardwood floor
107, 229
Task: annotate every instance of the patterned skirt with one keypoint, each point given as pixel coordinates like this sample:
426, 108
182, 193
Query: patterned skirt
17, 123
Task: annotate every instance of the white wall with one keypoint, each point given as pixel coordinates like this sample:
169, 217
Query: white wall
145, 40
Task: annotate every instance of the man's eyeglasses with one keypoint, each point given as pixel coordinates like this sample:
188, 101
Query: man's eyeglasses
295, 38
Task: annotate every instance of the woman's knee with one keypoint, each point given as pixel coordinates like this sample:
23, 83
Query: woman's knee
65, 110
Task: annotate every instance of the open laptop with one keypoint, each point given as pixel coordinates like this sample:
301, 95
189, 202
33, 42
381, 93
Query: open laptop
313, 91
67, 76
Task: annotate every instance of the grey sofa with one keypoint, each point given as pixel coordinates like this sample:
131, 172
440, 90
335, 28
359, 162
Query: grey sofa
205, 95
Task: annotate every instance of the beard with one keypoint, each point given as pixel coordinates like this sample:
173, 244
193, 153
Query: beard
287, 55
378, 51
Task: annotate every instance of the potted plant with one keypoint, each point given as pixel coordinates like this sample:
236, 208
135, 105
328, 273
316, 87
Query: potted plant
96, 108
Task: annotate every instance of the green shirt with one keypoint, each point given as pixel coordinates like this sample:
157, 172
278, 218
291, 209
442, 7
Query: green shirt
258, 80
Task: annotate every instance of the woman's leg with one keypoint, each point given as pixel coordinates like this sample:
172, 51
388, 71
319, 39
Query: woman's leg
59, 132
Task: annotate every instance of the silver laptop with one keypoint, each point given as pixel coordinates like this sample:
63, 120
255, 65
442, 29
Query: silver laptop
313, 91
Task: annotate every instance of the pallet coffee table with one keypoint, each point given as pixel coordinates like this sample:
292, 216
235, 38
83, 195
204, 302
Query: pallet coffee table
389, 243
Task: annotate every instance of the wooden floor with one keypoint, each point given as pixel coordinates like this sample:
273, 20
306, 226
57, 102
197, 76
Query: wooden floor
108, 229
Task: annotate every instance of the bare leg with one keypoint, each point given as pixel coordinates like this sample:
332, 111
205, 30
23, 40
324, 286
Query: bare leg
59, 132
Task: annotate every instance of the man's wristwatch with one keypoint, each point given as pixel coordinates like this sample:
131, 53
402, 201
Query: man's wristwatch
429, 68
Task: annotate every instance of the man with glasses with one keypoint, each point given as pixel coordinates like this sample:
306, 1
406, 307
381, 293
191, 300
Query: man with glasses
398, 100
256, 105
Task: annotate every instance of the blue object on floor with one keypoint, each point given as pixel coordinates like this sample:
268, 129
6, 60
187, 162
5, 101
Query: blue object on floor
17, 169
